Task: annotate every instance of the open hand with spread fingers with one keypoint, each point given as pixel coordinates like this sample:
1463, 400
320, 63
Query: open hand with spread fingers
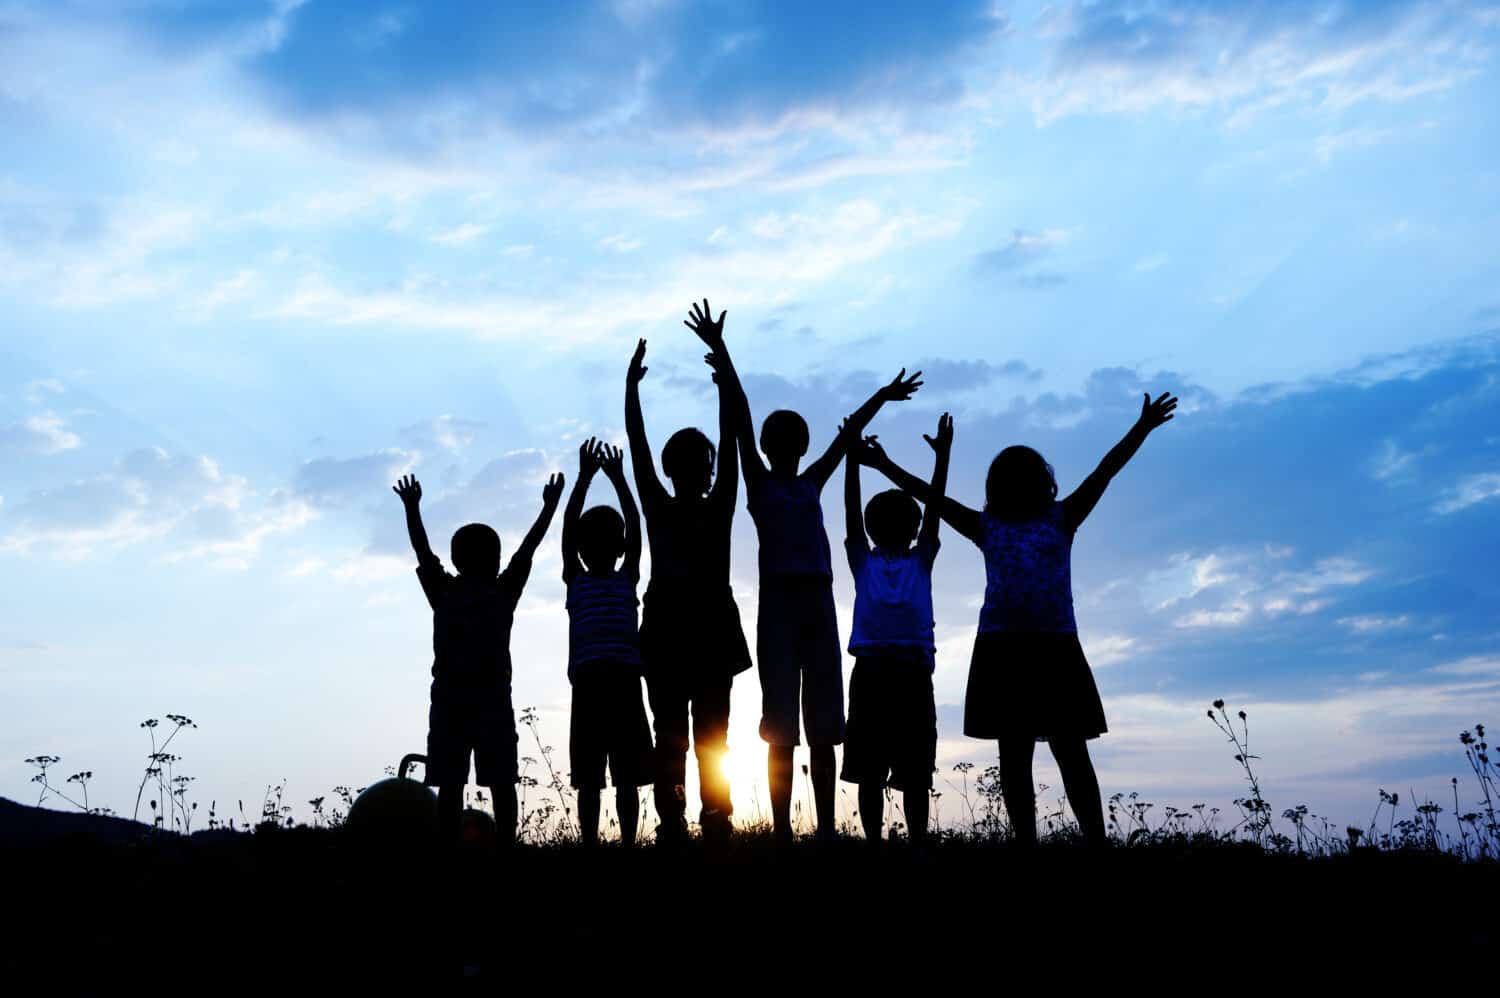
901, 387
611, 460
1154, 414
709, 330
588, 457
409, 489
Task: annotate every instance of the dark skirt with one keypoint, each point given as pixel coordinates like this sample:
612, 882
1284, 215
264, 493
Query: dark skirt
686, 629
1031, 685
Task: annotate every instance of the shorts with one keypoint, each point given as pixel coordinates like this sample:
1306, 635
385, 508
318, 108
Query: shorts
1031, 685
799, 658
892, 738
464, 721
608, 726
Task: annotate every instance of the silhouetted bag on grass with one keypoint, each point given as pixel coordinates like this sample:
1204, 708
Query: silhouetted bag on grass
1031, 684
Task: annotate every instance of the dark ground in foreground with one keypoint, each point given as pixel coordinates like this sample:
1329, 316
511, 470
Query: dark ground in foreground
287, 909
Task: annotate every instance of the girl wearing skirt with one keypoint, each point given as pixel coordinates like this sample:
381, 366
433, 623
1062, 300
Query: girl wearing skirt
1028, 679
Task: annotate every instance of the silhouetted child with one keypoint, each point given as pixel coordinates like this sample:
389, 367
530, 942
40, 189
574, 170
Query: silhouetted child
691, 639
797, 634
892, 736
472, 614
1029, 680
608, 718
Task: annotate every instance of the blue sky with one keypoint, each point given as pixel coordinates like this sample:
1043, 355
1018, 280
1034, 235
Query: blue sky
258, 259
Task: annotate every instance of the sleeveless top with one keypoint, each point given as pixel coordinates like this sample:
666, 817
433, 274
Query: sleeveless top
1028, 574
892, 601
602, 622
788, 515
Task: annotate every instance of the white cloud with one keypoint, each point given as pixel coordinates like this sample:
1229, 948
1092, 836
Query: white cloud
1244, 582
1245, 60
1108, 649
445, 432
1334, 143
42, 389
1394, 462
327, 481
461, 235
1474, 665
185, 505
790, 252
620, 243
45, 433
368, 569
1374, 623
1230, 615
1470, 491
239, 287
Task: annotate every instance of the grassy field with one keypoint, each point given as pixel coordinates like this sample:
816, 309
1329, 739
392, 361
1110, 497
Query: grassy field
284, 907
107, 903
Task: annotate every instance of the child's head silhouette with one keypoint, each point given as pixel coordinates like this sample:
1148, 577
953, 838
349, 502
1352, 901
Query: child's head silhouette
1020, 484
688, 460
476, 551
784, 438
601, 538
892, 519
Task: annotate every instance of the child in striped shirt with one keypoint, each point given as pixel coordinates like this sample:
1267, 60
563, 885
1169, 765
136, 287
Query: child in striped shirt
608, 718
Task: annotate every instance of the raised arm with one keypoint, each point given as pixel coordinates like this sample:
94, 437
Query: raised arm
588, 463
1078, 505
854, 512
641, 461
410, 491
731, 396
900, 389
551, 493
960, 517
612, 461
731, 392
942, 446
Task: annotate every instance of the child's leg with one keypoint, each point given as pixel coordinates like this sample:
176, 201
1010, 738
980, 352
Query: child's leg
710, 733
1017, 789
588, 815
824, 779
822, 659
914, 802
779, 774
628, 808
872, 809
450, 811
504, 801
1081, 785
669, 711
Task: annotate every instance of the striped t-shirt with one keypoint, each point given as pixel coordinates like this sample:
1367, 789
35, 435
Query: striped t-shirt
602, 625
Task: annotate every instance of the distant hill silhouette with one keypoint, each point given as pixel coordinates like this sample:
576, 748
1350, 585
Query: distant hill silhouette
21, 824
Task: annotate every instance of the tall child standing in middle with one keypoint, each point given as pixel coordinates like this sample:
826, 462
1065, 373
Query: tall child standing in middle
797, 636
691, 639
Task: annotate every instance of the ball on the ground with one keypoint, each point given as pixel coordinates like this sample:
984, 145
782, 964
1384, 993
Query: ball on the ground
395, 808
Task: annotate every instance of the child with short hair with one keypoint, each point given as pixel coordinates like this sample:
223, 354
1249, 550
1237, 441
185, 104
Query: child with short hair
797, 636
892, 730
472, 614
608, 718
692, 642
1029, 680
